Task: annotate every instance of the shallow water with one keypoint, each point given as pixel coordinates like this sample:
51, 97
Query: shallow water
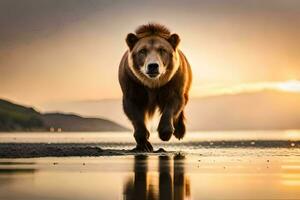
127, 137
188, 172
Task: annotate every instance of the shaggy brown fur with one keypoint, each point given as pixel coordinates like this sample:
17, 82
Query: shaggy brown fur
152, 29
143, 94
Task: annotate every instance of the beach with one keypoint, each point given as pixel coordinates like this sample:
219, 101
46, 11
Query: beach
101, 166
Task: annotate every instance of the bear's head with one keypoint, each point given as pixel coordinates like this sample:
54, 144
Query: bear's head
153, 55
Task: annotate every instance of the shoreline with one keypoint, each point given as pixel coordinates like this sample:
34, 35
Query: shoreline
34, 150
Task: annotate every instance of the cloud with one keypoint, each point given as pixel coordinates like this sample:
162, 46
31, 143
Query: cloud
216, 90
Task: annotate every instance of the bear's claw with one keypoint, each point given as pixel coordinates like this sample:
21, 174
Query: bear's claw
145, 147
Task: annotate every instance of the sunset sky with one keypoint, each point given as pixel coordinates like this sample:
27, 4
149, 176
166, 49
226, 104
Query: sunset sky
69, 50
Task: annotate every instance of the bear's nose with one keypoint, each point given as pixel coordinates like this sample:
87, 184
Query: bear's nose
152, 69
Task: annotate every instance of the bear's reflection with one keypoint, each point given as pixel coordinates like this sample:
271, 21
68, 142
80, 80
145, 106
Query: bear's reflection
172, 181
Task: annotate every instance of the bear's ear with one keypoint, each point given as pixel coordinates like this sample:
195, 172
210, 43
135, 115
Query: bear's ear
131, 40
174, 40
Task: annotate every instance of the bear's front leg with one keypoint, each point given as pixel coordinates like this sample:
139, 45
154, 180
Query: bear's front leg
136, 115
143, 145
170, 111
165, 127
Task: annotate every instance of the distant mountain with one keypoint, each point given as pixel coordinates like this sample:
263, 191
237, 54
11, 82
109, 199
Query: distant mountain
15, 117
268, 109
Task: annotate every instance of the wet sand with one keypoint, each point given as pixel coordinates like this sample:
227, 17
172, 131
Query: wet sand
32, 150
74, 169
212, 174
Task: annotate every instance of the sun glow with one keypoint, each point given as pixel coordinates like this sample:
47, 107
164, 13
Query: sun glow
291, 86
293, 135
215, 89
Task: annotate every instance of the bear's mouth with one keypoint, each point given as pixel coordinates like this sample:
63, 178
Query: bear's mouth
152, 75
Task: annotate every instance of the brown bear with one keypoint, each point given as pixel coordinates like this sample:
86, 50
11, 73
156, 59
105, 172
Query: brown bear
154, 73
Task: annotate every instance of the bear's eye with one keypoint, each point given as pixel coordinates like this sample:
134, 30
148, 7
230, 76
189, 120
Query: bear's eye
143, 52
162, 51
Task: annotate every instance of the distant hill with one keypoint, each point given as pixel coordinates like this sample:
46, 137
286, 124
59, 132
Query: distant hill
268, 109
15, 117
70, 122
264, 110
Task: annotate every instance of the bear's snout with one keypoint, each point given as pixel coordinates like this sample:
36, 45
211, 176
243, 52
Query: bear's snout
152, 69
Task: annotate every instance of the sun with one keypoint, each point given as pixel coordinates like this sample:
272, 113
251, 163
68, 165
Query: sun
290, 86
